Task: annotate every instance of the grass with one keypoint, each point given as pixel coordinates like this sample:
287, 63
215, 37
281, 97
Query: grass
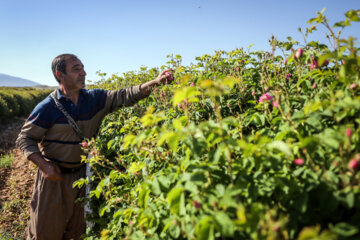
6, 160
6, 236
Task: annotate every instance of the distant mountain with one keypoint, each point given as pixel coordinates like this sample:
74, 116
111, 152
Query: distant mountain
11, 81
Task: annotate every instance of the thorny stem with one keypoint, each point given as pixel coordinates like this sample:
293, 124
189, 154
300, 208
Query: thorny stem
331, 33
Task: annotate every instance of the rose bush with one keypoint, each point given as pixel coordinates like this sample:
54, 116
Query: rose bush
229, 163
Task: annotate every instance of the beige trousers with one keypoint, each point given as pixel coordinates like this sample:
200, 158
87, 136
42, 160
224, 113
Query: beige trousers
54, 215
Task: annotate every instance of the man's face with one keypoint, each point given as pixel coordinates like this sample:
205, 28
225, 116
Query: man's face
74, 79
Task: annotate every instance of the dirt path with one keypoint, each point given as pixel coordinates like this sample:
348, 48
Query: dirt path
15, 184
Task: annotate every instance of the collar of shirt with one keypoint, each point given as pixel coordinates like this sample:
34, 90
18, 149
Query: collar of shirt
60, 96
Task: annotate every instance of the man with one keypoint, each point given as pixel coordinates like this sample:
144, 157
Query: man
54, 215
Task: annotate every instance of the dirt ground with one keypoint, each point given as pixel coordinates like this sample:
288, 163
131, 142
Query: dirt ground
16, 184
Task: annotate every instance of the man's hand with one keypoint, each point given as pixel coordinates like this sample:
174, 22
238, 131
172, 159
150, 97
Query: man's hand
49, 170
165, 77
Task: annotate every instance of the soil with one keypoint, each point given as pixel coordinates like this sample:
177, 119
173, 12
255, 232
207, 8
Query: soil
16, 184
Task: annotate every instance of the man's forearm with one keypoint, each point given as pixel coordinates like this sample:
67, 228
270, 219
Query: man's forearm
148, 86
38, 160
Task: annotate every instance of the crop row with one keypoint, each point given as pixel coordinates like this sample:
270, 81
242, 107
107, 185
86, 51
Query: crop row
16, 102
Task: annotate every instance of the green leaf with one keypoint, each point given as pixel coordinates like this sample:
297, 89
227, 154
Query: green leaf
344, 229
171, 138
179, 123
353, 15
224, 224
315, 120
229, 81
205, 229
188, 93
282, 147
176, 200
136, 167
155, 187
350, 199
144, 197
129, 140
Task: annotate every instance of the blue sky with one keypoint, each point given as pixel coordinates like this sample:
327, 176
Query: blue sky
118, 36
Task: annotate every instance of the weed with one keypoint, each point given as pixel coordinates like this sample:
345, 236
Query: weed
6, 160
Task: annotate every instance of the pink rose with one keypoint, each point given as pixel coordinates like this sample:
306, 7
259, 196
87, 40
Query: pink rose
299, 53
285, 61
314, 85
119, 200
192, 84
353, 164
314, 64
253, 93
266, 97
299, 161
169, 76
288, 76
353, 86
275, 104
84, 144
348, 132
179, 105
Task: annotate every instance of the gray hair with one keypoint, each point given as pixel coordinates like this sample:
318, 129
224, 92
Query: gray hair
59, 63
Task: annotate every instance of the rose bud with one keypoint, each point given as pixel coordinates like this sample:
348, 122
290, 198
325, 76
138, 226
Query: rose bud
353, 86
119, 199
192, 84
285, 61
253, 93
353, 164
84, 144
325, 63
313, 64
275, 104
298, 53
348, 132
197, 204
299, 161
314, 85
